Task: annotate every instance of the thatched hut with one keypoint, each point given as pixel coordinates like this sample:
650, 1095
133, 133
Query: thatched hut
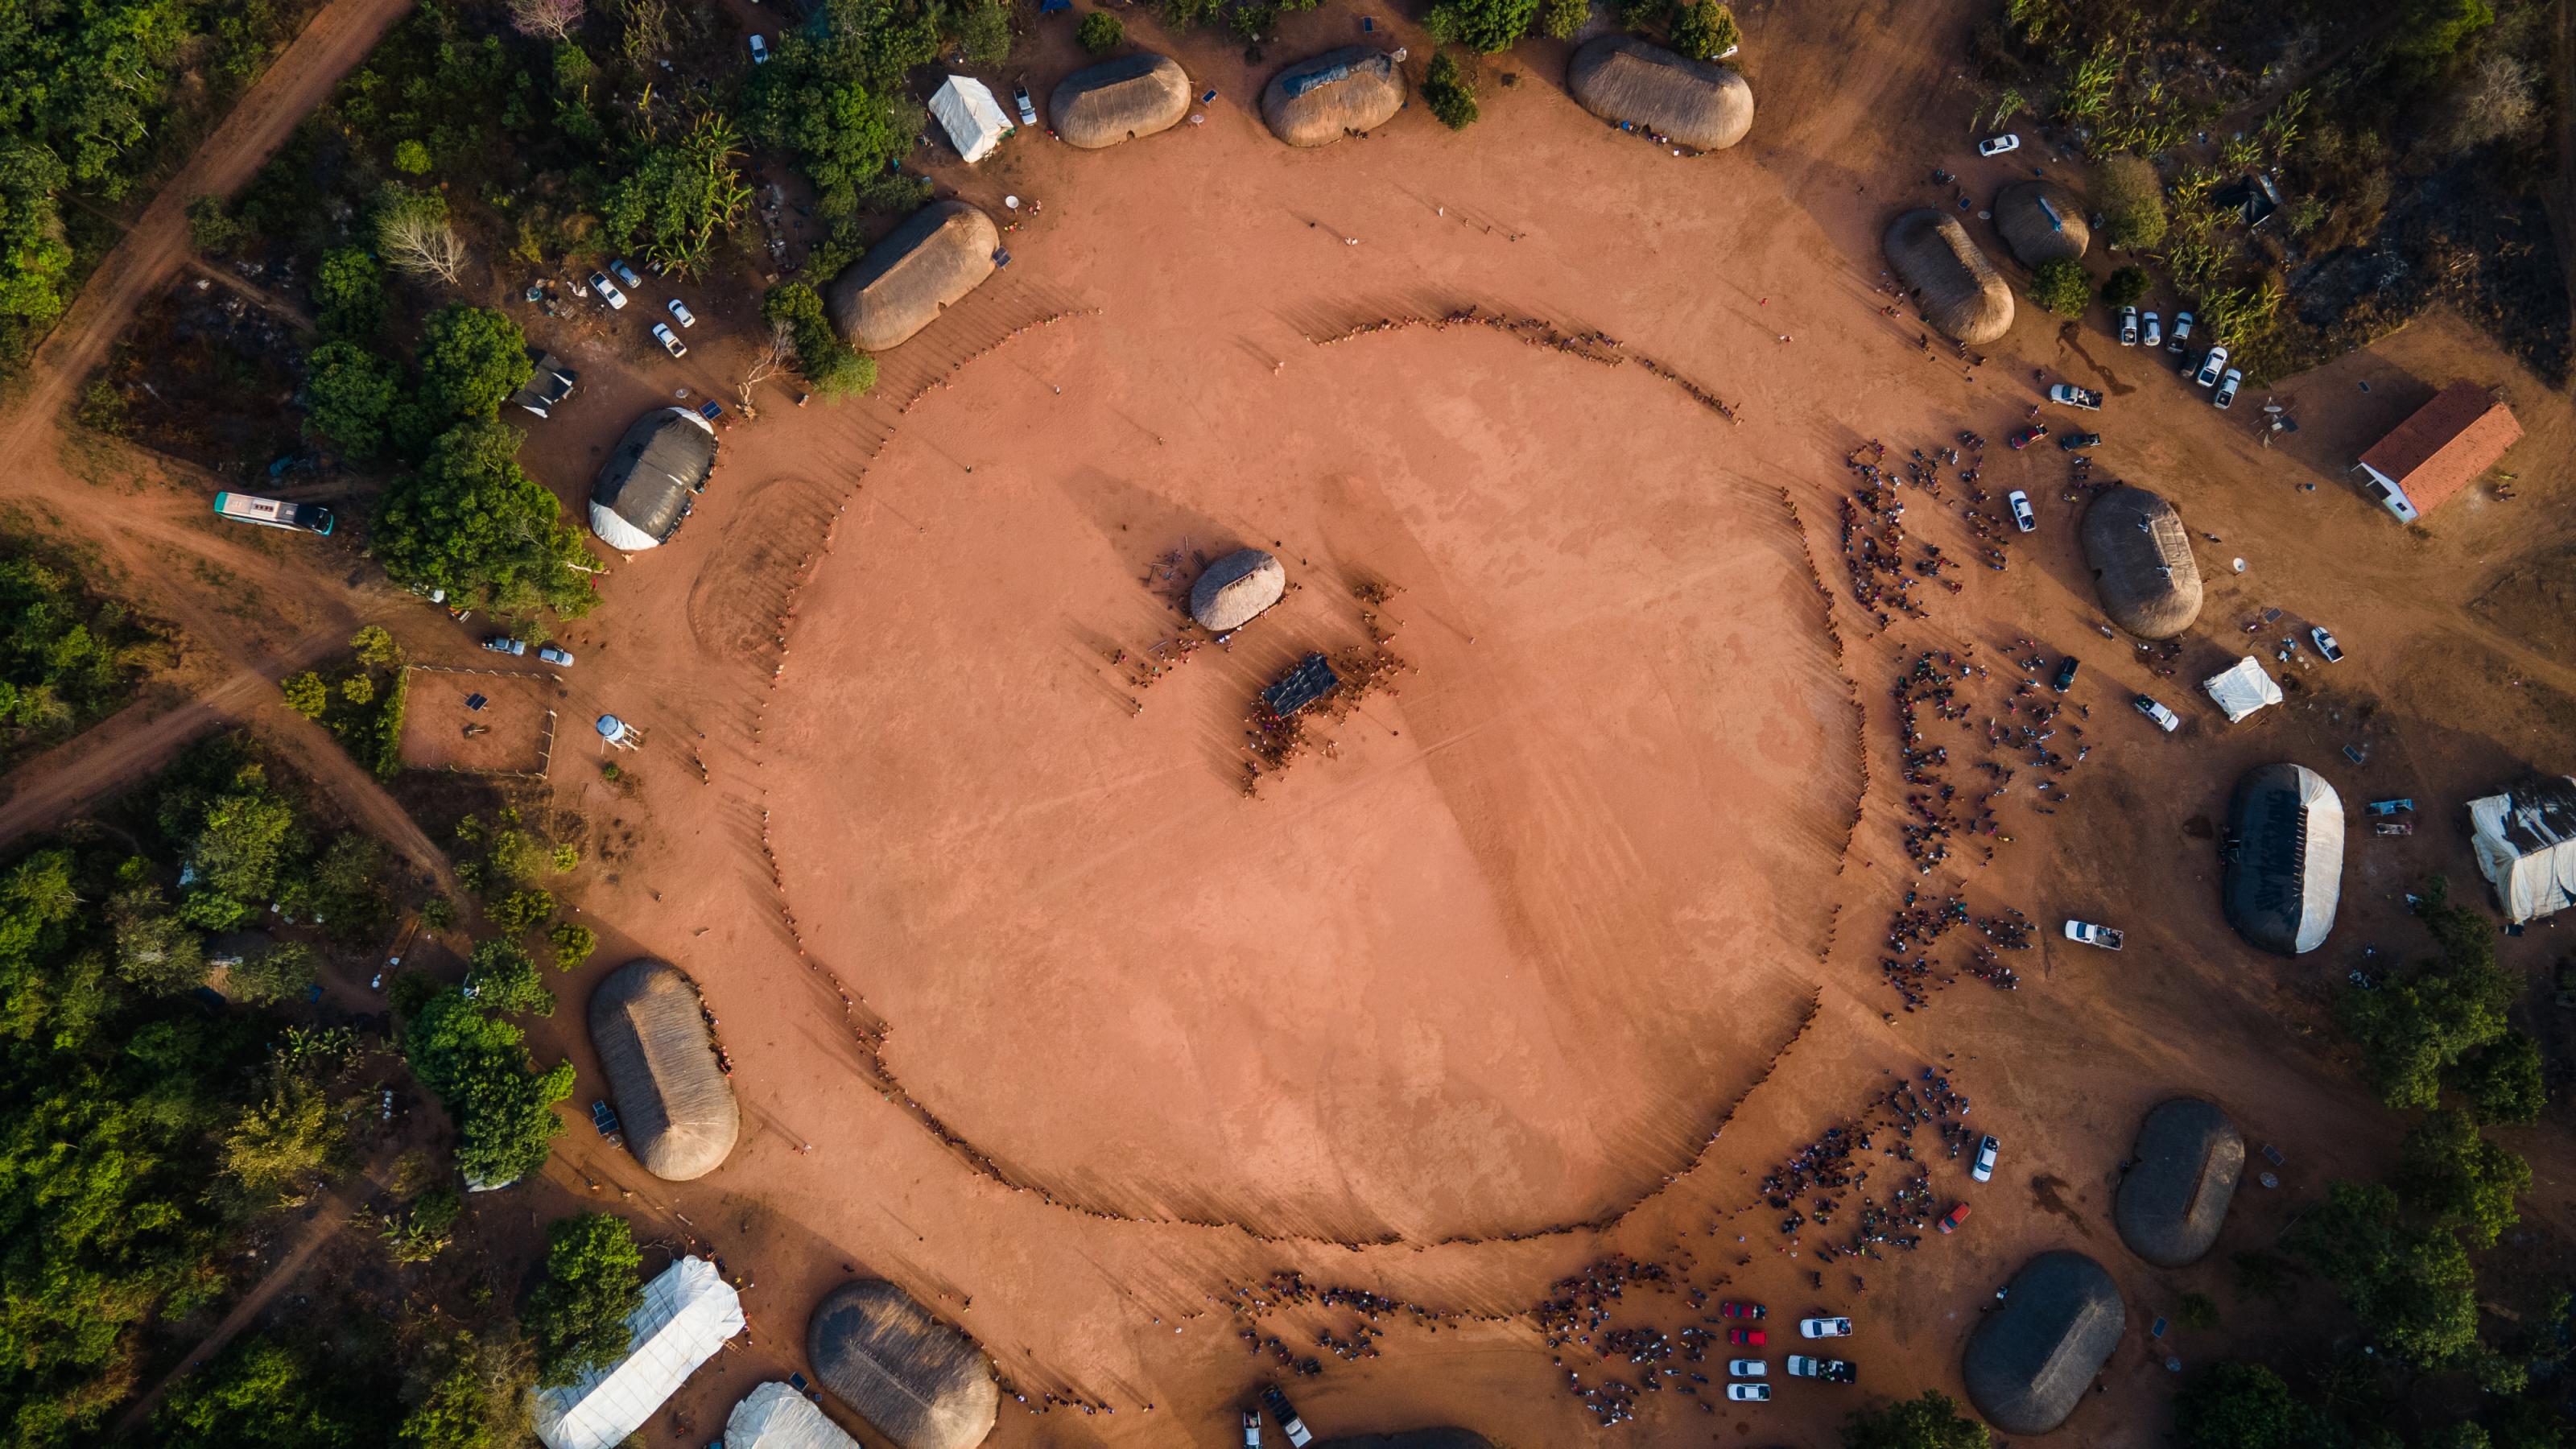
1235, 589
1120, 100
2140, 555
1963, 294
2029, 1362
2042, 222
677, 1104
2284, 858
1319, 101
941, 253
2174, 1199
916, 1380
1621, 78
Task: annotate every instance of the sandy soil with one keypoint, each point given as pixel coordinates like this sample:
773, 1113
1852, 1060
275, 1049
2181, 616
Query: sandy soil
518, 721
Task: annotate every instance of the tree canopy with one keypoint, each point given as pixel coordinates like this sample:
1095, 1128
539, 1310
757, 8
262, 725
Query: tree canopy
477, 1064
471, 521
471, 360
1931, 1421
682, 198
577, 1314
2060, 285
2411, 1288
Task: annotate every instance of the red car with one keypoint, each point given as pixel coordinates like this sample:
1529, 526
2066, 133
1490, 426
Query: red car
1747, 1337
2028, 436
1737, 1308
1957, 1216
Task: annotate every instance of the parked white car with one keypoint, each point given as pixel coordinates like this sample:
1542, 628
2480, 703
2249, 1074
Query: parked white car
1998, 145
625, 273
1824, 1328
1748, 1368
2093, 935
555, 655
759, 51
2226, 394
2181, 332
1749, 1393
607, 291
2154, 329
2325, 643
1984, 1168
680, 310
2211, 366
670, 340
2128, 327
2165, 719
2023, 518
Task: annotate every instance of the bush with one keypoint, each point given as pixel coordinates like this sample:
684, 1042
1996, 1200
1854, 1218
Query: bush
522, 910
2126, 189
1705, 30
2198, 1311
1561, 18
411, 158
1485, 26
1101, 32
2503, 1080
2060, 286
572, 942
829, 365
211, 227
306, 694
2124, 287
1932, 1421
1448, 93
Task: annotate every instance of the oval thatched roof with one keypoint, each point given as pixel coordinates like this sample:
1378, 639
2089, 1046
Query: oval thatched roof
2029, 1362
2174, 1199
1120, 100
672, 1095
940, 253
1620, 78
1317, 102
2042, 222
1963, 294
2140, 555
918, 1381
1235, 589
2285, 858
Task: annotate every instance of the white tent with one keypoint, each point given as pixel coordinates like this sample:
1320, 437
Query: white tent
2525, 840
2242, 689
688, 1314
775, 1416
973, 119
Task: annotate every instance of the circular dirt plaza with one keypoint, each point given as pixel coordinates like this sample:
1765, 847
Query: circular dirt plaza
1493, 960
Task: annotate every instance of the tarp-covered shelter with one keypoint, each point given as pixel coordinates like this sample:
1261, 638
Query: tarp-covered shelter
646, 486
918, 1381
548, 385
1962, 293
1120, 100
2029, 1363
939, 254
1236, 589
2174, 1198
974, 121
1319, 101
2041, 221
2284, 858
2140, 555
1310, 680
2242, 688
2525, 841
1623, 79
670, 1091
775, 1416
687, 1315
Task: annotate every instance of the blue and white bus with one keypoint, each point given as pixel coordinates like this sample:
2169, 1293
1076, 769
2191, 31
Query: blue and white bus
270, 513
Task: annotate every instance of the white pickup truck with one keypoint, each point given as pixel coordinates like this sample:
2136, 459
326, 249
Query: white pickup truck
2093, 935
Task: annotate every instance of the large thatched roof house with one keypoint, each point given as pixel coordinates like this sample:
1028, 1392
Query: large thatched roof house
2140, 555
1963, 294
941, 253
678, 1106
647, 485
1235, 589
2041, 222
2174, 1199
1621, 78
1319, 101
916, 1380
2029, 1363
1120, 100
2284, 858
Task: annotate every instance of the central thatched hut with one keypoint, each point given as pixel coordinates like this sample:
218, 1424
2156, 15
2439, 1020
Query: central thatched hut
1120, 100
2174, 1199
1317, 102
916, 1380
2042, 222
2140, 555
1963, 294
941, 253
1235, 589
671, 1093
2029, 1362
1620, 78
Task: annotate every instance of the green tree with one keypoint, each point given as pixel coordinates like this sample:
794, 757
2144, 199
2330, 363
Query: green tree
2199, 1311
479, 1398
2245, 1406
1561, 18
2452, 1175
830, 366
1485, 26
306, 694
256, 1394
236, 845
349, 293
358, 689
411, 158
522, 910
2503, 1080
478, 1066
2133, 200
593, 1284
2124, 286
35, 282
471, 521
280, 973
1932, 1421
211, 227
1704, 29
2412, 1289
2432, 31
347, 887
285, 1144
471, 360
350, 394
2060, 286
682, 199
572, 942
423, 1231
1449, 94
1100, 32
155, 951
984, 31
376, 647
2416, 1031
504, 979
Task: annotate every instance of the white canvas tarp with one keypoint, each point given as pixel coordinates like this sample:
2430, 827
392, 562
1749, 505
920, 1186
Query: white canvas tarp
2525, 840
775, 1416
2243, 689
2321, 864
973, 119
688, 1314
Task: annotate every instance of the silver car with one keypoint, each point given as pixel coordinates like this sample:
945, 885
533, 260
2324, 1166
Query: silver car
1749, 1393
2226, 393
1984, 1170
1748, 1368
2211, 366
2155, 331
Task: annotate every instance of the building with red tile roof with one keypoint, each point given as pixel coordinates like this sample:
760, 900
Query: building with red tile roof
2442, 449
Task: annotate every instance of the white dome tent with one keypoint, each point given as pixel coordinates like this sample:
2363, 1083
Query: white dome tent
2242, 689
973, 120
775, 1416
687, 1315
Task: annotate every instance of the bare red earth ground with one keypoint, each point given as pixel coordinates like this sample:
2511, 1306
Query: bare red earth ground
513, 721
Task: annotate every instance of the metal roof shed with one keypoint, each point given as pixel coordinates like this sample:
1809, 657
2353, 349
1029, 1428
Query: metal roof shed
687, 1315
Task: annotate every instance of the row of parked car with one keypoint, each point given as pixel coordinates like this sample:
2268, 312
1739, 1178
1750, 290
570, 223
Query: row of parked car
2147, 330
609, 292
